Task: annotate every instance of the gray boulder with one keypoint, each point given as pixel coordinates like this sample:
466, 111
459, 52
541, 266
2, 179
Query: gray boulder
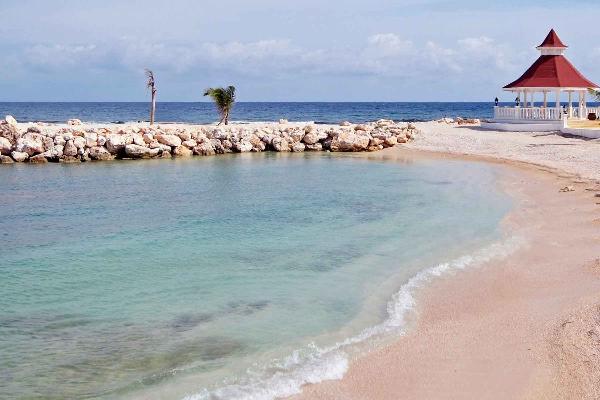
5, 146
137, 151
19, 156
350, 141
205, 149
100, 153
169, 140
69, 149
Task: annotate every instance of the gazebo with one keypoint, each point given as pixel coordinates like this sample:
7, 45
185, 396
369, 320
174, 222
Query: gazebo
549, 76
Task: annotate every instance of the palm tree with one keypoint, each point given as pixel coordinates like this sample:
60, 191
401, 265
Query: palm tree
151, 85
224, 99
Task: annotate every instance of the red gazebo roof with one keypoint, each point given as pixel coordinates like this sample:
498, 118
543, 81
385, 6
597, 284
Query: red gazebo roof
552, 70
552, 40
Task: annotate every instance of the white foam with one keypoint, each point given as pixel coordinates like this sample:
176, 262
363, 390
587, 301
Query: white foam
283, 378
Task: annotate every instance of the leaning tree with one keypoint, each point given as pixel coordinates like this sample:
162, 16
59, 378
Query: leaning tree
151, 84
224, 99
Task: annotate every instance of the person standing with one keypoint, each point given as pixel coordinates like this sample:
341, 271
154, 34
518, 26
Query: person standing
496, 102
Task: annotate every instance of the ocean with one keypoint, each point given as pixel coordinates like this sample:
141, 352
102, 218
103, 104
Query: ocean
241, 276
204, 112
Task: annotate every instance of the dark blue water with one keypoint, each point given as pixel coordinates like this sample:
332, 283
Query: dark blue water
205, 112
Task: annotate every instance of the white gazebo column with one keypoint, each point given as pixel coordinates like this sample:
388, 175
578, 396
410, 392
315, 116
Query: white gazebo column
558, 113
581, 97
525, 99
570, 104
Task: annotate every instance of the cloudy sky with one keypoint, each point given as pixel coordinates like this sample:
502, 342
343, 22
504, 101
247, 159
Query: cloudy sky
283, 50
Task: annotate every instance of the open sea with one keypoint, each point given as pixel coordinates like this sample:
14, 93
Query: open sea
205, 112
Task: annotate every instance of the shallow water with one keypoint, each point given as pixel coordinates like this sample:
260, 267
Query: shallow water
161, 279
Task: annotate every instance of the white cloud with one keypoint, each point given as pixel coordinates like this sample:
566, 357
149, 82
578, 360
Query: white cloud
61, 55
384, 54
389, 44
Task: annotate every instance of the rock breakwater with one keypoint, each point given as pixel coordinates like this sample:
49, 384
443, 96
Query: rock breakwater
78, 142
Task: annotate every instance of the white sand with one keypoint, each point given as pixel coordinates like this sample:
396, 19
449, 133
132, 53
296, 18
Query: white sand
576, 156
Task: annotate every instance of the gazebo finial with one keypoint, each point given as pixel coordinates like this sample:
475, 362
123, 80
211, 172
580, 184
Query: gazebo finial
552, 41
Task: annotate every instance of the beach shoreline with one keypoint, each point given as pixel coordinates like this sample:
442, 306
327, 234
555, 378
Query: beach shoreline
526, 326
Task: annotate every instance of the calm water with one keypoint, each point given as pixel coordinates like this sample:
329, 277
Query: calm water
219, 277
205, 112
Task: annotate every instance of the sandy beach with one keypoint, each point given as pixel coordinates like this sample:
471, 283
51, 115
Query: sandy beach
524, 327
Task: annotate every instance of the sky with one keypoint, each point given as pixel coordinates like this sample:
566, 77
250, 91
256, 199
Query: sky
283, 50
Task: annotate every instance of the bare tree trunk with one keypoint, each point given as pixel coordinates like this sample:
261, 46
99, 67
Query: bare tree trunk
226, 117
153, 107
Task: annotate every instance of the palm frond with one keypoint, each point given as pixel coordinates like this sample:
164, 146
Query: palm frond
223, 98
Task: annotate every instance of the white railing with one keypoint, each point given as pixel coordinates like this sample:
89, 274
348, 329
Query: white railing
585, 111
528, 113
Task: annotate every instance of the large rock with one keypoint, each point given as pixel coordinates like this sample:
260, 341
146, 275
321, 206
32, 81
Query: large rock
169, 140
9, 132
38, 159
5, 146
217, 145
59, 140
227, 146
243, 146
184, 136
79, 142
115, 143
34, 129
19, 156
138, 139
31, 143
53, 153
69, 149
298, 147
280, 144
391, 141
350, 141
190, 144
74, 122
6, 160
137, 151
205, 149
10, 120
182, 151
99, 153
314, 147
384, 122
297, 135
311, 138
148, 137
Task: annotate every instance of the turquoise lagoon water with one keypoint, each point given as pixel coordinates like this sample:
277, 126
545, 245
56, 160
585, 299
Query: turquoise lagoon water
229, 277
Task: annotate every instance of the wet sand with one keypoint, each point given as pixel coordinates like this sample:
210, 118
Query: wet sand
524, 327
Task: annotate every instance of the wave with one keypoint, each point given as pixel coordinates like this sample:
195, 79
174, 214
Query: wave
313, 364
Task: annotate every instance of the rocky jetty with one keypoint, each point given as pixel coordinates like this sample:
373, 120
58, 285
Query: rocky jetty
77, 142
